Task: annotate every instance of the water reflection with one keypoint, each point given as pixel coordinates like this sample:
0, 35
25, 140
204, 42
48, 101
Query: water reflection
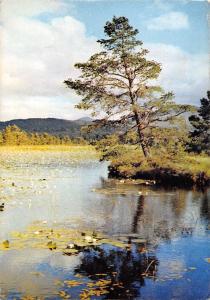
166, 232
123, 269
205, 206
155, 214
2, 207
138, 214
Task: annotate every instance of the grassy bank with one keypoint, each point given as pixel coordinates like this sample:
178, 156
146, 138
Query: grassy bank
181, 170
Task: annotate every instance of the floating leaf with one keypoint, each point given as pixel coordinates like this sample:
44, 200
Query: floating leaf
72, 283
79, 276
6, 244
64, 295
70, 251
58, 282
51, 245
28, 298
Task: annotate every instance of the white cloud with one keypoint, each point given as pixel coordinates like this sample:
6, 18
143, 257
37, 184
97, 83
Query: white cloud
27, 8
187, 75
169, 21
36, 58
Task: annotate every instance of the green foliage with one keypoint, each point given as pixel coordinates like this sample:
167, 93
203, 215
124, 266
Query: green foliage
118, 83
169, 142
13, 135
130, 162
110, 147
168, 152
200, 136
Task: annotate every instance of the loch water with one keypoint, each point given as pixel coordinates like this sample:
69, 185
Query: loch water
168, 231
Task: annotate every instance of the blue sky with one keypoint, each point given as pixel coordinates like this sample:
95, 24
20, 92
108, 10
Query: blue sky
94, 15
43, 39
193, 39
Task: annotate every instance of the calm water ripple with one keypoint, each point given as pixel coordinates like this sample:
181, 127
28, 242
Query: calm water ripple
168, 233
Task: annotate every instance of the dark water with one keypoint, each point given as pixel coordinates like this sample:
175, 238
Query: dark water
168, 232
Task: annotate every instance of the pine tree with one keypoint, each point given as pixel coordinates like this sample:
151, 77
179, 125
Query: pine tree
200, 136
117, 82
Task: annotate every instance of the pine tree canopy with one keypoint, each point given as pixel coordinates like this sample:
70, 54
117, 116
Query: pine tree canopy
200, 136
117, 84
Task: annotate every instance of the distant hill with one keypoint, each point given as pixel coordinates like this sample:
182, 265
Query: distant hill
61, 127
49, 125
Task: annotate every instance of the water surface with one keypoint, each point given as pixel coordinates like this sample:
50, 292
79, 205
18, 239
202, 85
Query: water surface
168, 232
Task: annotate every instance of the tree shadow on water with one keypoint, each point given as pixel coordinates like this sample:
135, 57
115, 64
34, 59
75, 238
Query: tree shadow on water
139, 213
122, 271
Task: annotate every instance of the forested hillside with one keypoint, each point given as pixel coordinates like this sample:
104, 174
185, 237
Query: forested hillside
49, 125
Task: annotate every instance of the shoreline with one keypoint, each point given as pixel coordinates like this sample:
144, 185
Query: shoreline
53, 148
165, 177
160, 176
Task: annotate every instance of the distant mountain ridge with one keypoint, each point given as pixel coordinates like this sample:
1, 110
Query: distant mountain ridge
62, 127
52, 126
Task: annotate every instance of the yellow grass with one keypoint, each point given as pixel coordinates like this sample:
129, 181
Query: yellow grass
184, 163
69, 148
198, 163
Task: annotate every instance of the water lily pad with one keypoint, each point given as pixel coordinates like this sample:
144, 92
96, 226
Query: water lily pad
139, 241
70, 251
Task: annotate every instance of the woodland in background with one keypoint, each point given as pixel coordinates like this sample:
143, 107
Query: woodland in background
199, 137
13, 135
178, 154
172, 142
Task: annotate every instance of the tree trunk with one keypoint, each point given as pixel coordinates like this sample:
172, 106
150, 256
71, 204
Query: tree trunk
136, 115
143, 144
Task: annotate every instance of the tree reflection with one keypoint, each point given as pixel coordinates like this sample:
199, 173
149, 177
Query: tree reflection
139, 212
205, 209
2, 207
124, 269
205, 206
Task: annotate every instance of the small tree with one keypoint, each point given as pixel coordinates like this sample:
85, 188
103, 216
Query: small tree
200, 136
13, 135
118, 83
